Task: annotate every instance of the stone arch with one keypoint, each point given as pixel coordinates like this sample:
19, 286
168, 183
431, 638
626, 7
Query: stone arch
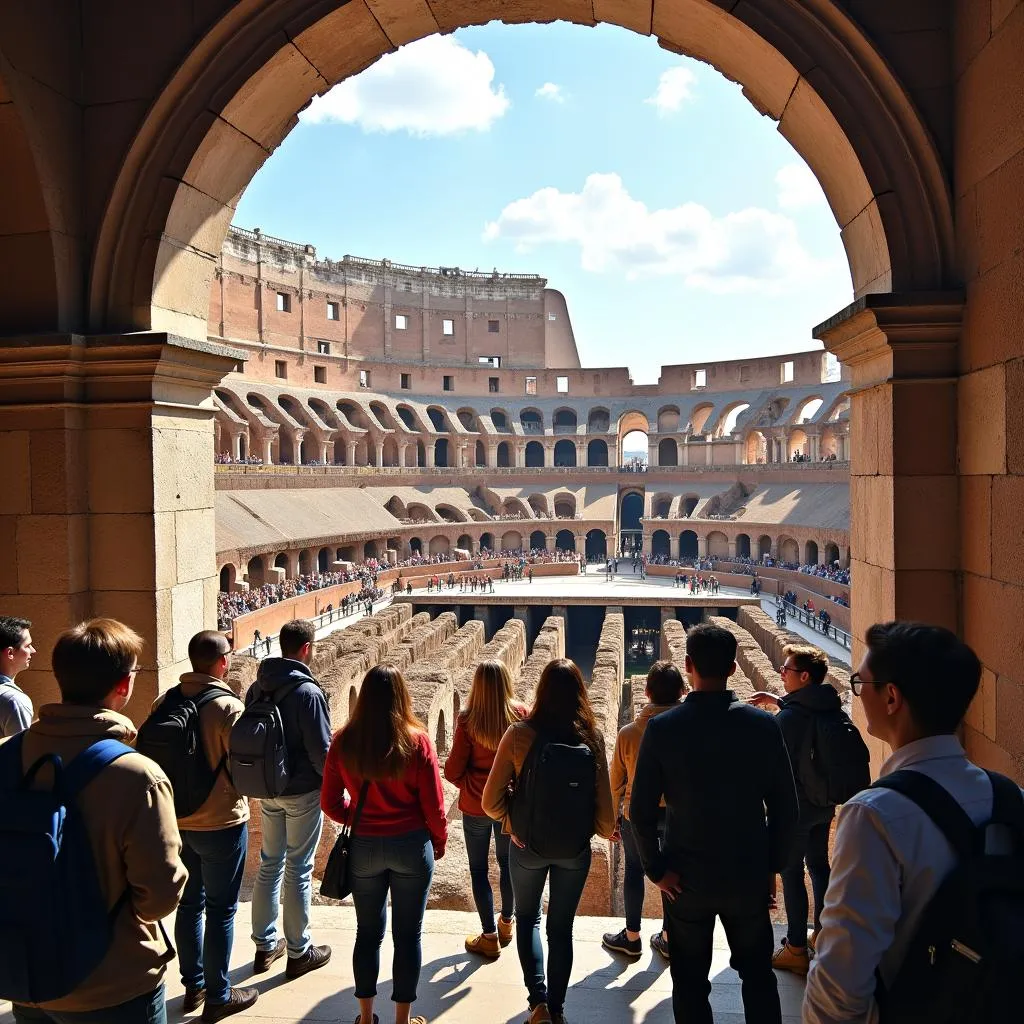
764, 545
511, 540
810, 552
439, 545
756, 448
306, 562
668, 419
565, 453
565, 540
742, 545
668, 452
254, 572
689, 546
534, 455
465, 542
228, 576
416, 545
281, 562
390, 452
831, 554
500, 421
597, 453
539, 503
687, 505
538, 540
449, 513
323, 560
718, 544
565, 505
598, 420
468, 418
396, 507
420, 513
512, 506
789, 550
408, 417
808, 409
730, 415
441, 452
504, 459
486, 541
699, 418
480, 452
564, 421
797, 444
596, 544
661, 545
371, 549
532, 421
661, 505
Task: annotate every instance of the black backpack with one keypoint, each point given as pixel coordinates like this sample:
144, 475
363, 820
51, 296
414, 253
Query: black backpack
172, 737
258, 750
555, 799
964, 962
836, 763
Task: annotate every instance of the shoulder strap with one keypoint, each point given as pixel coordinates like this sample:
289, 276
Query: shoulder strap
351, 825
209, 694
277, 696
936, 801
89, 763
1007, 804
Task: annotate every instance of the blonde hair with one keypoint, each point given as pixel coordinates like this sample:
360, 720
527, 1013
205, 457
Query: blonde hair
90, 659
489, 711
809, 659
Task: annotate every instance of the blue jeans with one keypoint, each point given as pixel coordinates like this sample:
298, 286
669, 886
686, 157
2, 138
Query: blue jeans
147, 1009
478, 848
633, 879
403, 865
811, 844
567, 879
215, 861
291, 831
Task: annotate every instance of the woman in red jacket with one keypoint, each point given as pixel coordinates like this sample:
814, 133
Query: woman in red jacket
478, 731
400, 832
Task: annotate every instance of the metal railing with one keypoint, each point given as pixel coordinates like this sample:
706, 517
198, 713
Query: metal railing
834, 633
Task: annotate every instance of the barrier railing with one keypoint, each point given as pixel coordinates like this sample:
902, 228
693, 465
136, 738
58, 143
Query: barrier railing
840, 636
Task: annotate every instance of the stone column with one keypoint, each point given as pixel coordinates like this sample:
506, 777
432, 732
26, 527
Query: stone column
108, 507
380, 453
428, 454
666, 614
268, 449
236, 446
685, 456
708, 451
351, 453
702, 547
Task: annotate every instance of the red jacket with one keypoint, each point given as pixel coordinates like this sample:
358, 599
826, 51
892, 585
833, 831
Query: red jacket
393, 806
469, 764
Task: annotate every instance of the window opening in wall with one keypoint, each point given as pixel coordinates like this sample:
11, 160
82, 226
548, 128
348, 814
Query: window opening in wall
320, 374
787, 371
364, 378
493, 327
744, 374
448, 328
323, 348
562, 385
448, 383
832, 371
284, 302
280, 368
406, 381
401, 321
492, 385
494, 361
332, 311
700, 378
531, 385
552, 317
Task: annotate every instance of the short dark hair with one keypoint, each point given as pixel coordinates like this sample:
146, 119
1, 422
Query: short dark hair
205, 649
90, 659
665, 682
12, 631
294, 635
712, 650
937, 673
810, 659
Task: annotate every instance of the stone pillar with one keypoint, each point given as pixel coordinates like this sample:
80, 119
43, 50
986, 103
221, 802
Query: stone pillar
380, 453
324, 446
666, 614
268, 449
351, 453
236, 446
702, 547
685, 457
108, 506
482, 612
428, 454
490, 456
708, 451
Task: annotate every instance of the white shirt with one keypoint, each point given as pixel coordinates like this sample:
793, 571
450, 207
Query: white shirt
15, 708
888, 861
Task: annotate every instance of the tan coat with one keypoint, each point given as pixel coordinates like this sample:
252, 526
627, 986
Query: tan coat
223, 808
129, 812
627, 746
508, 765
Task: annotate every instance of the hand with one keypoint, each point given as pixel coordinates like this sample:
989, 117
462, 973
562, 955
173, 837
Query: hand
670, 885
773, 889
763, 700
438, 852
515, 839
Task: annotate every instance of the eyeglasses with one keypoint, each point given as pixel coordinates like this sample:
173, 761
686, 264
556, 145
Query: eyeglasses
857, 684
785, 669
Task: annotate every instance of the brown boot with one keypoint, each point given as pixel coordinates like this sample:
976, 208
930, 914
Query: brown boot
540, 1014
194, 996
506, 929
788, 958
239, 999
484, 945
265, 957
314, 958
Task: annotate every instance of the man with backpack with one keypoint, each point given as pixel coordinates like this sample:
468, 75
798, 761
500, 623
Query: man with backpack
187, 734
91, 852
831, 764
286, 695
723, 771
16, 652
924, 913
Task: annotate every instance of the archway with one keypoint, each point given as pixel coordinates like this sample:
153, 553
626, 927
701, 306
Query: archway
661, 546
742, 545
306, 563
390, 452
668, 452
227, 578
756, 450
439, 545
323, 560
534, 455
441, 736
596, 544
465, 543
416, 545
512, 541
565, 453
764, 545
688, 544
630, 526
254, 572
421, 455
565, 541
718, 544
281, 562
486, 541
564, 422
597, 453
789, 551
688, 504
504, 457
370, 549
481, 454
831, 554
537, 540
810, 553
441, 452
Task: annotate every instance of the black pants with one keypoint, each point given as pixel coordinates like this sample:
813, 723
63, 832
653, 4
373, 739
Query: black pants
748, 927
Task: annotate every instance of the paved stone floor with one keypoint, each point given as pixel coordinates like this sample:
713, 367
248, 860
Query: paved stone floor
456, 988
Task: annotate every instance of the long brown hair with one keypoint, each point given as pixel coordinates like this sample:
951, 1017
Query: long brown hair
379, 739
489, 711
561, 707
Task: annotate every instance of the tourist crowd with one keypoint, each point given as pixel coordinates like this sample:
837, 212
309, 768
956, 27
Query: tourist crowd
226, 459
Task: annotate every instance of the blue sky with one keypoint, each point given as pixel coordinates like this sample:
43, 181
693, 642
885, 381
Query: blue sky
676, 220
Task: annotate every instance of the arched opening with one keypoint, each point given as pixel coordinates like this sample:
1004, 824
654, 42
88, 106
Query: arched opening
798, 447
396, 507
281, 562
227, 578
596, 545
504, 455
370, 549
439, 545
512, 541
306, 563
515, 508
416, 545
661, 505
486, 541
688, 546
731, 417
564, 422
438, 419
756, 450
565, 540
323, 560
481, 454
243, 447
539, 504
441, 452
764, 545
450, 514
718, 544
668, 419
534, 455
597, 453
598, 421
742, 545
630, 526
538, 541
699, 418
565, 453
634, 449
285, 448
565, 506
499, 420
789, 551
688, 504
831, 555
531, 421
408, 418
808, 410
254, 572
810, 553
421, 455
668, 452
465, 543
390, 452
467, 417
305, 454
441, 737
661, 546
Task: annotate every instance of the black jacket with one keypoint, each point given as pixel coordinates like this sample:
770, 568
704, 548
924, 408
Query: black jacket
796, 719
306, 720
731, 802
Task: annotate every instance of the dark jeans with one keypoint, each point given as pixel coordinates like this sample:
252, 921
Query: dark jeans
215, 861
633, 880
566, 881
403, 865
147, 1009
748, 927
811, 844
478, 848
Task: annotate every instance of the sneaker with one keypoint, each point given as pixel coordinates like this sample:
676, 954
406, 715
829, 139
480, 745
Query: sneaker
506, 929
239, 999
812, 942
539, 1015
786, 958
660, 944
618, 942
314, 958
265, 957
484, 945
194, 997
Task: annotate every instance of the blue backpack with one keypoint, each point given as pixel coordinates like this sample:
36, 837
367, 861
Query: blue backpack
55, 927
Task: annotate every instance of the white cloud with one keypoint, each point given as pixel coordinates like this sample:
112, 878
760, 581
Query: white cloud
675, 87
434, 86
752, 250
797, 187
550, 91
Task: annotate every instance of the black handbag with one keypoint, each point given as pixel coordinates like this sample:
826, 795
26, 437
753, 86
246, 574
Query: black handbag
336, 884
